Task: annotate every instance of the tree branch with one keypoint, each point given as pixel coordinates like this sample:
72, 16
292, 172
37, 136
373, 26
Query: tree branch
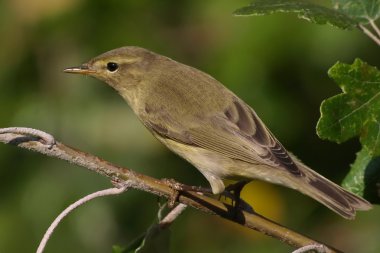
126, 177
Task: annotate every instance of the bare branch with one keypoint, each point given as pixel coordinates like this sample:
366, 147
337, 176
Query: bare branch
125, 177
64, 213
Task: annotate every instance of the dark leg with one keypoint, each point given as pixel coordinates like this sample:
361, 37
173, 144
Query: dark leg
236, 188
233, 191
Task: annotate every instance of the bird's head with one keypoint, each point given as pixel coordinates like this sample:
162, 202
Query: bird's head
122, 68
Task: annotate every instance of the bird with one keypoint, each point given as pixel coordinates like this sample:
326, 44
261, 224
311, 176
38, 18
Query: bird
202, 121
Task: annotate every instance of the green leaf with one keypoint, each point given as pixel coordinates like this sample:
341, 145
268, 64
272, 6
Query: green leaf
363, 11
306, 10
364, 176
355, 112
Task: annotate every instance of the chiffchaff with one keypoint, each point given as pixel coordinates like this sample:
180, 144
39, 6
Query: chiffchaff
198, 118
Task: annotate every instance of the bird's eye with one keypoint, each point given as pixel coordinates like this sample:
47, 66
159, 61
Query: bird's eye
112, 66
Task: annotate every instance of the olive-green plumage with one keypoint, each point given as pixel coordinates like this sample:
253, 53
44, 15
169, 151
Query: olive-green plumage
198, 118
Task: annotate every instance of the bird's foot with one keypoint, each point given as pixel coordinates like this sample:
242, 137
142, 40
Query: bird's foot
232, 192
179, 187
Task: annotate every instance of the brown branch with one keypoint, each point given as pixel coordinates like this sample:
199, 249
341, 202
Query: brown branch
127, 177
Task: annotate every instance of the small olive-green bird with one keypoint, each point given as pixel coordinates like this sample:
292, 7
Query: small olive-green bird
198, 118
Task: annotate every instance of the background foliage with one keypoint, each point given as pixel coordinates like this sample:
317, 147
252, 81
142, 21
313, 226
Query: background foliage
277, 64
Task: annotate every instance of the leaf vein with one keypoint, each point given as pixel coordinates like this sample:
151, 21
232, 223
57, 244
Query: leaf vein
354, 111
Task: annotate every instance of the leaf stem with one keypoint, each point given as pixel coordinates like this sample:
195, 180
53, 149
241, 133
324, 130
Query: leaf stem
369, 34
374, 26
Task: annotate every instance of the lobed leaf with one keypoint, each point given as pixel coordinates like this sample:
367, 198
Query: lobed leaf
355, 112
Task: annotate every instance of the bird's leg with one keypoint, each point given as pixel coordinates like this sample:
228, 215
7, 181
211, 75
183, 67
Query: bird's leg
236, 189
233, 191
179, 187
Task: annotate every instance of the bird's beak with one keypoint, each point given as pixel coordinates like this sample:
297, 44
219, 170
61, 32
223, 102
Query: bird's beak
83, 69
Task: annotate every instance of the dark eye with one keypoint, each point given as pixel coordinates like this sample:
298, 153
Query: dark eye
112, 66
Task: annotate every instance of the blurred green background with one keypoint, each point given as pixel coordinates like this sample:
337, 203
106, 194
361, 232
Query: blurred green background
277, 64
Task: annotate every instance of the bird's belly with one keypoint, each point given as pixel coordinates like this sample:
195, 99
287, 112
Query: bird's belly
216, 167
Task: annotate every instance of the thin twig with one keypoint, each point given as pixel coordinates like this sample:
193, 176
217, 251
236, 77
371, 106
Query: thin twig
47, 138
375, 27
172, 215
370, 34
124, 176
314, 247
64, 213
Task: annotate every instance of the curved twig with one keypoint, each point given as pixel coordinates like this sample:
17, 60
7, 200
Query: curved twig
172, 215
123, 176
69, 209
319, 248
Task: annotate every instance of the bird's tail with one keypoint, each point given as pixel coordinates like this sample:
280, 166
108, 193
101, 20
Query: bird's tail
332, 195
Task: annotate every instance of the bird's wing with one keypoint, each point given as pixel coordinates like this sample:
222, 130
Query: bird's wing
242, 135
237, 133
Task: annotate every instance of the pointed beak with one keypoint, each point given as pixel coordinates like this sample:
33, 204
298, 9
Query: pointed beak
83, 69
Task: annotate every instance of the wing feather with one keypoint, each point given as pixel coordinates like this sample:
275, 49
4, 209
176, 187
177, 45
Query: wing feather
237, 133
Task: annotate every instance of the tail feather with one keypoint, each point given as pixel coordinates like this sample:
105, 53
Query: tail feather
332, 195
357, 202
